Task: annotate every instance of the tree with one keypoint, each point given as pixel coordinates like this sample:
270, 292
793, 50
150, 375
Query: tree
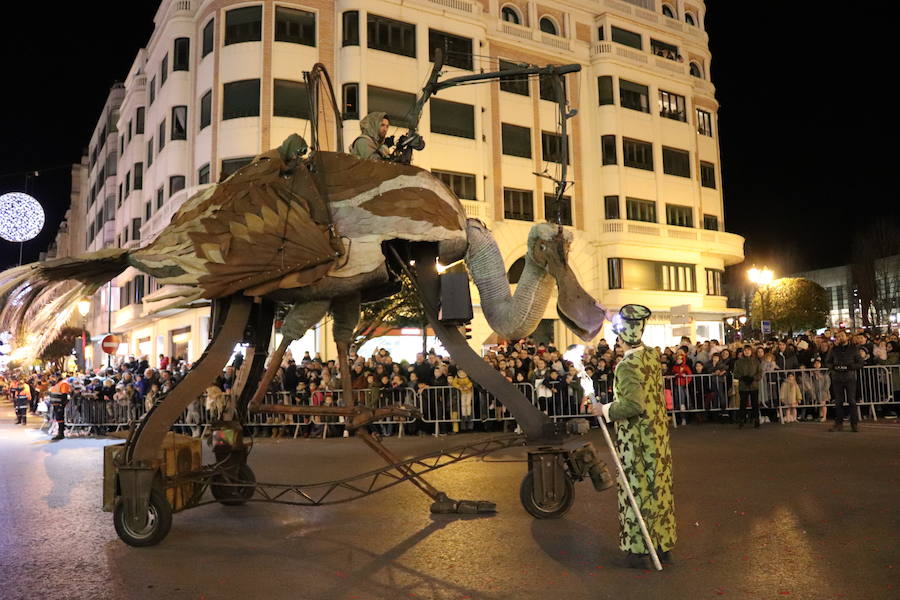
403, 309
61, 348
874, 276
791, 304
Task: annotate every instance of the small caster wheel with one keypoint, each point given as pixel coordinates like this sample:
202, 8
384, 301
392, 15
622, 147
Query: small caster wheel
159, 522
233, 495
548, 510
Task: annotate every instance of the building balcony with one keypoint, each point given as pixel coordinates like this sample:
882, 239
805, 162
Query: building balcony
727, 246
162, 217
643, 10
534, 35
461, 6
478, 210
660, 64
125, 318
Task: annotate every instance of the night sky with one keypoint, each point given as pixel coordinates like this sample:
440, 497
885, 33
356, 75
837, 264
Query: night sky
806, 127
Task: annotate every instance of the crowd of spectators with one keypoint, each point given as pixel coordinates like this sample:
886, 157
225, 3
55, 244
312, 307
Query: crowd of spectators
706, 375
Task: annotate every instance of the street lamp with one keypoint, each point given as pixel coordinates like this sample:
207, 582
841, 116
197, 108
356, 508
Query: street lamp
762, 278
84, 307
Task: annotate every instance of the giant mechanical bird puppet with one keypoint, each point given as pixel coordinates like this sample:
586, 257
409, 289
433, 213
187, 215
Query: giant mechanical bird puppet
320, 233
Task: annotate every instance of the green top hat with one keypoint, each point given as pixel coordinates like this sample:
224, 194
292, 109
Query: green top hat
629, 323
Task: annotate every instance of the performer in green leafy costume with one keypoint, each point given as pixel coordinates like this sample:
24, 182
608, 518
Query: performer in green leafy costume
642, 440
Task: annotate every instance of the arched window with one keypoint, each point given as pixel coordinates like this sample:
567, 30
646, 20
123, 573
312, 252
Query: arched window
668, 12
695, 70
510, 15
515, 271
689, 19
548, 25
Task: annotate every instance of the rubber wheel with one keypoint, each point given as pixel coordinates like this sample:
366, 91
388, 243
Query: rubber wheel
233, 496
546, 511
159, 522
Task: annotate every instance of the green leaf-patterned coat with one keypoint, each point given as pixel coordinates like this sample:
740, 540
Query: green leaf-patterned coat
642, 439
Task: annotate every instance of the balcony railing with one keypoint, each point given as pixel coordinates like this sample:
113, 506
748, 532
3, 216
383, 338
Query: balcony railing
721, 243
460, 5
477, 210
530, 34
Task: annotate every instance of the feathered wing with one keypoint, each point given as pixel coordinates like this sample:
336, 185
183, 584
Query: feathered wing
41, 297
253, 233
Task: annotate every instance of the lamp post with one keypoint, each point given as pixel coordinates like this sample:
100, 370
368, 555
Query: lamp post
84, 307
762, 278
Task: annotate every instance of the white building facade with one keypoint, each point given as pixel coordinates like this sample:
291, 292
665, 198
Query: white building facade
220, 81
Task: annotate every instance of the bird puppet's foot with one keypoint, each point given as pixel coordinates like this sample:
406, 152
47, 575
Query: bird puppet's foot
444, 505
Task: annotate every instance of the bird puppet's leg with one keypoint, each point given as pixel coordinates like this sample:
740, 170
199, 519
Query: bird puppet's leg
298, 320
345, 311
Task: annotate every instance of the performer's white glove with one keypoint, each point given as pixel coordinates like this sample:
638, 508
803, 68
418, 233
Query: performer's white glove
601, 410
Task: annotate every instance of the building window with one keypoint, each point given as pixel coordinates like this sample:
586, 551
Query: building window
665, 50
243, 25
160, 198
516, 84
637, 154
680, 216
152, 89
608, 150
350, 34
396, 104
510, 15
127, 183
547, 25
161, 139
148, 210
208, 37
711, 222
240, 99
179, 122
635, 274
640, 210
203, 174
138, 282
678, 278
457, 49
391, 36
149, 152
667, 11
516, 140
350, 94
139, 120
291, 99
295, 26
461, 184
695, 70
704, 122
627, 38
614, 273
605, 89
176, 184
232, 165
453, 118
671, 106
713, 282
138, 176
518, 204
136, 229
163, 71
206, 109
676, 162
561, 209
611, 206
708, 175
552, 148
547, 88
181, 54
634, 96
689, 19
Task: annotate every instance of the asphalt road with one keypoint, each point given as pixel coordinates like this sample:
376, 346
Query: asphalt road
782, 512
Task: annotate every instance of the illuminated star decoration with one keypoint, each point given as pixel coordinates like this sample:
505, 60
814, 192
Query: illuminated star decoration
21, 217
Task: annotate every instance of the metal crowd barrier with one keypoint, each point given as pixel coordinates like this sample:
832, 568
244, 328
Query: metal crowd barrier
445, 404
710, 393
